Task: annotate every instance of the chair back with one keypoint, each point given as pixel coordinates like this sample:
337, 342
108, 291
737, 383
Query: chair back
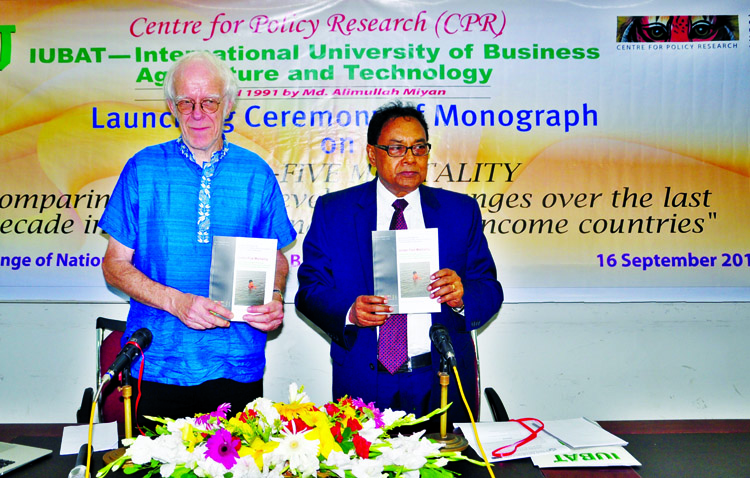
499, 414
109, 333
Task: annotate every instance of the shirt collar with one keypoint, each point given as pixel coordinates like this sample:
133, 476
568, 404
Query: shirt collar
385, 198
215, 158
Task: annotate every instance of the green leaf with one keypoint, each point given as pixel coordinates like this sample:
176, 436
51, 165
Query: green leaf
346, 446
408, 420
435, 472
182, 472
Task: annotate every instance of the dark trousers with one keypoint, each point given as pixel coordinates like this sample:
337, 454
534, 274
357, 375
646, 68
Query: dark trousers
176, 401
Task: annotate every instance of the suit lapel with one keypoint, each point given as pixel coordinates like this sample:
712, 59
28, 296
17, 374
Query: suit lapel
430, 207
365, 222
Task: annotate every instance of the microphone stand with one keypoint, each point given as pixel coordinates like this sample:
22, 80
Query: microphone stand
451, 442
126, 390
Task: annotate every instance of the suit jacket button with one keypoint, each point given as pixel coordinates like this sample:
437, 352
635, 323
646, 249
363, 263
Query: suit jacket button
372, 366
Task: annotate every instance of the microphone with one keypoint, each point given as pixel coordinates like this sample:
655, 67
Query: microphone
140, 340
79, 471
441, 339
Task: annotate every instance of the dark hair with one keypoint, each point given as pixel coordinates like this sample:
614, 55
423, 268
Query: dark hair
389, 111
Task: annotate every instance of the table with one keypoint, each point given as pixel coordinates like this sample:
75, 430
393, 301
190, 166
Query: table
666, 448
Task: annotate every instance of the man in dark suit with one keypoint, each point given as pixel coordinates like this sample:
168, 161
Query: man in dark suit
336, 276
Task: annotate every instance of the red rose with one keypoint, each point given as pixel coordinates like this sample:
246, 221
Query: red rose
361, 446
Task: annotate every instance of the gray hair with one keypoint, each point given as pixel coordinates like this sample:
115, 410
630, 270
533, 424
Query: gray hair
223, 72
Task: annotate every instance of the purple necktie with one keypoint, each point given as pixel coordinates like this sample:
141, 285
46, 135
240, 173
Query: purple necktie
392, 344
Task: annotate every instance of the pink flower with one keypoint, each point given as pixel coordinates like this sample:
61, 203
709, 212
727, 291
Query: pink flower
222, 448
220, 412
376, 414
359, 403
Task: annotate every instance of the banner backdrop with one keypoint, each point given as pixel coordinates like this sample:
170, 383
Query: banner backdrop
607, 149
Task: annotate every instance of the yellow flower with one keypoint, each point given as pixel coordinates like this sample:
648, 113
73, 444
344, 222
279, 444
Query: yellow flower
257, 449
191, 437
348, 412
294, 410
238, 427
325, 437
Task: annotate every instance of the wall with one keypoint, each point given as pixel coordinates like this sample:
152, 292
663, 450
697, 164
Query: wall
550, 360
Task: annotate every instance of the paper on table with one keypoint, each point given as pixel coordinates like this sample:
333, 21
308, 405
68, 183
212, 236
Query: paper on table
587, 457
104, 438
581, 432
498, 434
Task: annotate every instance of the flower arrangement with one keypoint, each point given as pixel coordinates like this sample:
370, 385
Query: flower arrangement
346, 438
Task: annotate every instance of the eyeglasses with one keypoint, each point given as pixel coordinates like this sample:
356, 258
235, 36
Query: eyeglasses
508, 450
208, 105
399, 150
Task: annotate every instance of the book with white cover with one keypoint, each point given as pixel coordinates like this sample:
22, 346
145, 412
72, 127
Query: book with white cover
402, 262
581, 433
243, 270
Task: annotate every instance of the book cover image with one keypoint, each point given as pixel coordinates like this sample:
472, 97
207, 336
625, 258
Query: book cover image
243, 270
402, 262
414, 278
249, 288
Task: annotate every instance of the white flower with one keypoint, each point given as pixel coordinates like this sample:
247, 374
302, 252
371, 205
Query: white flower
264, 407
408, 451
167, 469
211, 468
301, 453
275, 473
141, 451
246, 468
390, 416
170, 449
441, 462
297, 394
367, 469
176, 426
340, 461
370, 433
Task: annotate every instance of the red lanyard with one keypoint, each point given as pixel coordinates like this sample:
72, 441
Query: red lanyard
508, 450
140, 377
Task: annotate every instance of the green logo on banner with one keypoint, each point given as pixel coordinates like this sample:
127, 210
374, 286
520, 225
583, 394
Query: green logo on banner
5, 31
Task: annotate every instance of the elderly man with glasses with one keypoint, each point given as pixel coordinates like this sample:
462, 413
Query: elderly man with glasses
169, 202
336, 290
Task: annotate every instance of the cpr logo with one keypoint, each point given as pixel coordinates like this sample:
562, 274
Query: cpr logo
5, 31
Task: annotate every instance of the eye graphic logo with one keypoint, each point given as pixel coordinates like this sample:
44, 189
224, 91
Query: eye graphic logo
674, 29
5, 31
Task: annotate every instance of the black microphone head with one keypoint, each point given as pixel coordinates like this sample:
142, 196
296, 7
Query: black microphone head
142, 337
138, 342
436, 331
441, 338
